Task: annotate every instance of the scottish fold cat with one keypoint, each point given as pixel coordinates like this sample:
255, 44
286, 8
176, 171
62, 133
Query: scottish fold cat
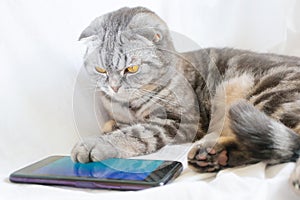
238, 107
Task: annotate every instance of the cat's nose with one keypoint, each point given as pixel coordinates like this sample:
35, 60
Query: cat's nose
115, 88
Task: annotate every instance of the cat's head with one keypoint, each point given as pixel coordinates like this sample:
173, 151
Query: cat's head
127, 49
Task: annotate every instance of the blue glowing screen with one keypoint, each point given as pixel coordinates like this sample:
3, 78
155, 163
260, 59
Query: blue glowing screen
114, 168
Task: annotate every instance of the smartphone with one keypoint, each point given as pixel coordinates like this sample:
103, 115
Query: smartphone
113, 173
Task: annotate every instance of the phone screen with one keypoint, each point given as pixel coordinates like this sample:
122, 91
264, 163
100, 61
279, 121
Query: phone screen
114, 173
114, 168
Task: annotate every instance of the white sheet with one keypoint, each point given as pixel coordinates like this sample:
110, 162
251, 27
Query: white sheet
249, 182
39, 61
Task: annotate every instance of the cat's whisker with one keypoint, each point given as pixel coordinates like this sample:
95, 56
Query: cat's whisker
157, 96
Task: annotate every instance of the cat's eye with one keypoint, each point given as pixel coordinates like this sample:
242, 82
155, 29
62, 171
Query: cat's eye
132, 69
100, 70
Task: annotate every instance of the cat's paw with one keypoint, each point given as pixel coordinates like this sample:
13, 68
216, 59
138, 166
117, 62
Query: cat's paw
92, 149
207, 157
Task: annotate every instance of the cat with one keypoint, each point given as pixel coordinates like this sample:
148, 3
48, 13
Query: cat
238, 107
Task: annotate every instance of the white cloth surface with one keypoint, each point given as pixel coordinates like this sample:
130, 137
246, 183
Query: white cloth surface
40, 59
249, 182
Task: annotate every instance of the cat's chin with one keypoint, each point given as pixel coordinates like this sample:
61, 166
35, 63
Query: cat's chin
122, 97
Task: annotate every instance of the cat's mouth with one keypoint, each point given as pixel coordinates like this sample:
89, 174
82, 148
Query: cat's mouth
124, 94
119, 94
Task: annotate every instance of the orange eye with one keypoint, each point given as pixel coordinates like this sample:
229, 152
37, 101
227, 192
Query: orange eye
100, 70
132, 69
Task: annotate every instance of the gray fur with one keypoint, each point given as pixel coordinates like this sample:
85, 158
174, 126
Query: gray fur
245, 104
268, 139
149, 108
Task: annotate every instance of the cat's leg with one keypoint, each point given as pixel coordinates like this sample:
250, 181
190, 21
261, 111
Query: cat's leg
256, 137
247, 133
138, 139
220, 147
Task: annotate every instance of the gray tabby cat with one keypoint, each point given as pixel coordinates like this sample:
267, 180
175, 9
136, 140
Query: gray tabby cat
239, 107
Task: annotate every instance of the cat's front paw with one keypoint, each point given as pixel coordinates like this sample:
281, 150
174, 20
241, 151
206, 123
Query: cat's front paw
93, 149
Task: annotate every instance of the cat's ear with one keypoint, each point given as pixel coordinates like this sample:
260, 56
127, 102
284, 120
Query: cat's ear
150, 26
91, 32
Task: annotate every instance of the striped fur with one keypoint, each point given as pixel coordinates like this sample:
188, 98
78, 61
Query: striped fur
149, 110
239, 106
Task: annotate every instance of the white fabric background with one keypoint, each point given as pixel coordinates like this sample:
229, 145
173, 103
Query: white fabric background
40, 59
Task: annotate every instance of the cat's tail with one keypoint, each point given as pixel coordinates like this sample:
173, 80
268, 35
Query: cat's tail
268, 140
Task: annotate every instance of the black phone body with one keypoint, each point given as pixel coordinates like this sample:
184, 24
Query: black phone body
114, 173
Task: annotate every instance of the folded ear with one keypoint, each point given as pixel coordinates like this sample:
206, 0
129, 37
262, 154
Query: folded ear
138, 20
92, 30
150, 26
